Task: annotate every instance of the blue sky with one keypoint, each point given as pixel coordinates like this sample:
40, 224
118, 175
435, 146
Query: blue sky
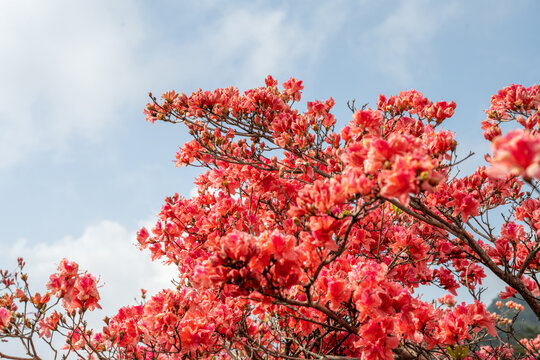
81, 170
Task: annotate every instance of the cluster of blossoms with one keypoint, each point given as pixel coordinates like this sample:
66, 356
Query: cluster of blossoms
518, 151
6, 309
307, 242
532, 345
24, 314
77, 291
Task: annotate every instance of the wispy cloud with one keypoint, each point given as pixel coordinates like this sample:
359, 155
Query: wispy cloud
69, 69
246, 44
399, 44
65, 68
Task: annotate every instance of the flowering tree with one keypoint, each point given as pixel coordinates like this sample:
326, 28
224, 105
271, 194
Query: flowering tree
304, 242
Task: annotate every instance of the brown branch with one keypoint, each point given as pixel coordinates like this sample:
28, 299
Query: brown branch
431, 218
4, 356
530, 257
348, 327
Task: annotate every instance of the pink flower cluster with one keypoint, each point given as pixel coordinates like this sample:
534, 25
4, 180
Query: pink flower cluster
179, 322
401, 152
5, 317
532, 345
48, 324
414, 102
458, 324
77, 290
518, 152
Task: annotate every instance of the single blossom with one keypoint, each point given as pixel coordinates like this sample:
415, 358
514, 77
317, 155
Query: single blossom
5, 317
517, 153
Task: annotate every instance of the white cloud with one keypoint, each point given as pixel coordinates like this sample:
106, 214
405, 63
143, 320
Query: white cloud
107, 251
68, 68
246, 44
65, 68
400, 42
